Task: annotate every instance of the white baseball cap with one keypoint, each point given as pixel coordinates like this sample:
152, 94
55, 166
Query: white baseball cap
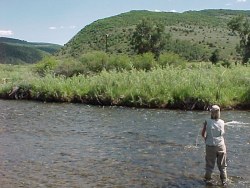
215, 108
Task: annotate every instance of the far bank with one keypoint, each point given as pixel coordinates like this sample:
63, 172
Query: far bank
170, 87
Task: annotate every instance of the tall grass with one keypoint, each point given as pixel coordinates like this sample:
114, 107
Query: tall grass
15, 75
171, 87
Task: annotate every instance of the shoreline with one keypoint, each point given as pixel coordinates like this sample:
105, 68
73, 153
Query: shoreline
161, 88
190, 104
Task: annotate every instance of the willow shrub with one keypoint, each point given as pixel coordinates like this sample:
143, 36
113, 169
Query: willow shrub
119, 63
170, 58
94, 61
144, 61
70, 67
47, 64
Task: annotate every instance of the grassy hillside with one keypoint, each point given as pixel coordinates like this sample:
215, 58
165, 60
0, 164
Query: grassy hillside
194, 34
14, 51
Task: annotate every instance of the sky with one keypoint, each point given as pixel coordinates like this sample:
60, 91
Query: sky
57, 21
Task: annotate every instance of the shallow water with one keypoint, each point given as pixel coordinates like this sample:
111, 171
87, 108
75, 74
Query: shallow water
73, 145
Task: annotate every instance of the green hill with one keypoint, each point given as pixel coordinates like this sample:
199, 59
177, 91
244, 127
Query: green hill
14, 51
194, 34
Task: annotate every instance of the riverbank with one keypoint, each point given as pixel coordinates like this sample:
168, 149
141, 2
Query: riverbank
172, 88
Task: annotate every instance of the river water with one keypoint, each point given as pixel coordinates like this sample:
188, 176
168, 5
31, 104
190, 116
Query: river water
75, 145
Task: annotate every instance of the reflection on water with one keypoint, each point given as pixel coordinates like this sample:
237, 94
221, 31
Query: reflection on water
72, 145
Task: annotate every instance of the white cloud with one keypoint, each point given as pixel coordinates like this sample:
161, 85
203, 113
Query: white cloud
156, 10
241, 1
62, 27
173, 11
52, 28
72, 27
6, 32
228, 4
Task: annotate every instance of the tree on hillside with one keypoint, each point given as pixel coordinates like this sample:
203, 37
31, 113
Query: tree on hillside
148, 37
215, 57
240, 25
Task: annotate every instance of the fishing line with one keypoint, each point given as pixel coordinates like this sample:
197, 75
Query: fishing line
197, 138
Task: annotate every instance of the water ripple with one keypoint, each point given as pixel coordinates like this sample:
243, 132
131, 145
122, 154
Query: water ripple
72, 145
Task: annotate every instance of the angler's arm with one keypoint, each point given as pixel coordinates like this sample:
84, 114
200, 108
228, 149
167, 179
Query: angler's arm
203, 132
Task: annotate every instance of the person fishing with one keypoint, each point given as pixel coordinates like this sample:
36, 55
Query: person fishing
213, 131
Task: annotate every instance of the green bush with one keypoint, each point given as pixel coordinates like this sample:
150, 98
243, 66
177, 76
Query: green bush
226, 63
94, 61
69, 68
170, 58
47, 64
119, 63
145, 61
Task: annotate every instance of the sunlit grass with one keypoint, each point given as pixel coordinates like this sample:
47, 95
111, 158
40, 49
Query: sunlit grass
168, 87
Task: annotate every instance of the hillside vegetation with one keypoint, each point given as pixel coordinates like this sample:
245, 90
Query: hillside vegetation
14, 51
194, 34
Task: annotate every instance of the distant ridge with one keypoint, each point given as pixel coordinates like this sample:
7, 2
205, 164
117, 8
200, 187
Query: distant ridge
194, 34
15, 51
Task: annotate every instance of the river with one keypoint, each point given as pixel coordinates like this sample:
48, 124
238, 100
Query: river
74, 145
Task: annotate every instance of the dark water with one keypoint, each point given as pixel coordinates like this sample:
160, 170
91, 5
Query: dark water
72, 145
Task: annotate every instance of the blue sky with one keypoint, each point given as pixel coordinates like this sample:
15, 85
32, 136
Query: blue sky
57, 21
